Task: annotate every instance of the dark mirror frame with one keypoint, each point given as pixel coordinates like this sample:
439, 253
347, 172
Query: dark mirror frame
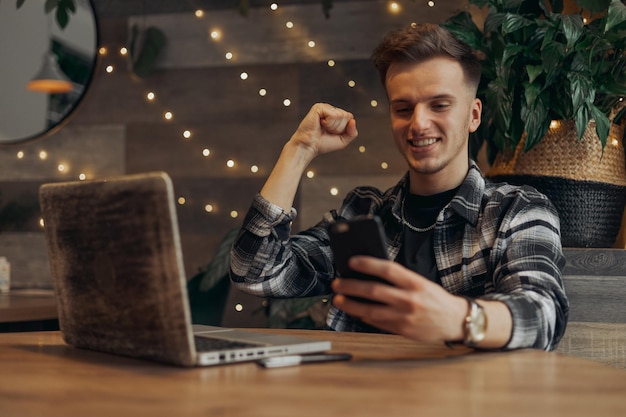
79, 68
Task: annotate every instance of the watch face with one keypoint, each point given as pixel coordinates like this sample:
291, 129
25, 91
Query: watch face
478, 324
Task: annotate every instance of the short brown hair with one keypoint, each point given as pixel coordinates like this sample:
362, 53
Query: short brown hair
419, 42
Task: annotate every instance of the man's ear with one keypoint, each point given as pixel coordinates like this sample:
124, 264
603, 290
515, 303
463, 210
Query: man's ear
475, 114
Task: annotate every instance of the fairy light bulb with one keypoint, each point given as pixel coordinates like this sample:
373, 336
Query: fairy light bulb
187, 134
334, 191
230, 163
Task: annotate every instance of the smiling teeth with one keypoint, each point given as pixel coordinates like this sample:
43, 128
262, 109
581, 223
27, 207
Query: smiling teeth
423, 142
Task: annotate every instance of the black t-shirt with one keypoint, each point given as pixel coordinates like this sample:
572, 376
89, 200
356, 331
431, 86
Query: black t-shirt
417, 251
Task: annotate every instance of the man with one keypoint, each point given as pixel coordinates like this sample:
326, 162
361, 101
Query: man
474, 262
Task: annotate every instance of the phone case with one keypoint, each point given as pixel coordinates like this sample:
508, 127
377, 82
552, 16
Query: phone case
362, 236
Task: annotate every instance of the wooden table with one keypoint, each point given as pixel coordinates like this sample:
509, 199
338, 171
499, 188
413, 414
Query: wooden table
388, 376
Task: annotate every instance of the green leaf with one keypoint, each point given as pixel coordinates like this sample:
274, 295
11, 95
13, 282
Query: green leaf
513, 22
616, 15
582, 117
581, 89
531, 92
552, 55
603, 124
509, 54
536, 124
573, 27
533, 72
462, 26
493, 22
63, 17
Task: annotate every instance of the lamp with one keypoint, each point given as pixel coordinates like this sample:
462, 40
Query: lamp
50, 78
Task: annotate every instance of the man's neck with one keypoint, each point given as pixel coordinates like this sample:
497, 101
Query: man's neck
439, 182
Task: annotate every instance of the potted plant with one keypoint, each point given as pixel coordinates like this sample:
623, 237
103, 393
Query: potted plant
547, 74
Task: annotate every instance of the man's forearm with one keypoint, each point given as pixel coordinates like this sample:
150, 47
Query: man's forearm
282, 184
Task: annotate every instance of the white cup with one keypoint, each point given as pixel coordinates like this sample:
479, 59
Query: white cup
5, 275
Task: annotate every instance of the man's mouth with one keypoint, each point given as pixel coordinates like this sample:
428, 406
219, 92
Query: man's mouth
422, 142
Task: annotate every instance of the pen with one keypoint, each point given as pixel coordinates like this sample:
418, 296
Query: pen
293, 360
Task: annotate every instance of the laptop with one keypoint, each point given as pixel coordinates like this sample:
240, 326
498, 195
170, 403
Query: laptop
117, 266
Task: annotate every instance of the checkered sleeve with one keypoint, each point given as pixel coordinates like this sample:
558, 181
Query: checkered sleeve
268, 262
527, 276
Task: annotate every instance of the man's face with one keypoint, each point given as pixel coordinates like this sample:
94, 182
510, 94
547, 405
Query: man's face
433, 111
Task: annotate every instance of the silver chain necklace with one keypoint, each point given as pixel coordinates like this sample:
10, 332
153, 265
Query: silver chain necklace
415, 228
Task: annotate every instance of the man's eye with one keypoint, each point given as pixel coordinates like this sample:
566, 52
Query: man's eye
402, 110
441, 106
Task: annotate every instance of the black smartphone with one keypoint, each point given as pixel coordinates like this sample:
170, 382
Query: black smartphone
361, 236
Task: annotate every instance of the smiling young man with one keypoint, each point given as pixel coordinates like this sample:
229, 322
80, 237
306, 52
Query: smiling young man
471, 262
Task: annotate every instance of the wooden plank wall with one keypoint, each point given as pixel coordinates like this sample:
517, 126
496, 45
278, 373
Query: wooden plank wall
117, 131
595, 282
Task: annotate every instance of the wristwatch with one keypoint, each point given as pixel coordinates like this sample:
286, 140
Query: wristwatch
475, 324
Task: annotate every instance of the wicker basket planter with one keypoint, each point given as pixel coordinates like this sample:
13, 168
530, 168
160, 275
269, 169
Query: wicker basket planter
586, 184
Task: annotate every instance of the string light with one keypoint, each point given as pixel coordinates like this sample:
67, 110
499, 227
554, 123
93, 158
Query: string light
20, 154
216, 34
431, 4
82, 176
43, 155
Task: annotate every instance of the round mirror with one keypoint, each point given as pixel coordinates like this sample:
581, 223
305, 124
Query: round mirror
46, 68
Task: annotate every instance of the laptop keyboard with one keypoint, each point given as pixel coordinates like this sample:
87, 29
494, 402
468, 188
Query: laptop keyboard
208, 344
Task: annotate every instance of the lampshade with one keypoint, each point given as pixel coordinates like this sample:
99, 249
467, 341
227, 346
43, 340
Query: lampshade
50, 79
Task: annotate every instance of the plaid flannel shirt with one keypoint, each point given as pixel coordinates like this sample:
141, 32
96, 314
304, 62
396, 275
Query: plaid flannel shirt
492, 241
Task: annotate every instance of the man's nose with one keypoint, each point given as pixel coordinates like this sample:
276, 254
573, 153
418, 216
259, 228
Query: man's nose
420, 120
